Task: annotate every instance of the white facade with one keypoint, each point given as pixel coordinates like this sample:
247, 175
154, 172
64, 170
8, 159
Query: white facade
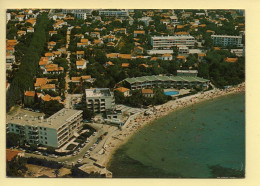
53, 131
146, 20
224, 40
167, 42
81, 15
8, 16
119, 13
100, 99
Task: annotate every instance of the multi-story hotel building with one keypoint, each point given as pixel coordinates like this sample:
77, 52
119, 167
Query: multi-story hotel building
223, 40
166, 82
54, 131
79, 13
118, 13
100, 99
167, 42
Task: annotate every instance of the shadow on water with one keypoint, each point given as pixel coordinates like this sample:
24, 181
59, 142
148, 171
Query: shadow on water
218, 171
135, 169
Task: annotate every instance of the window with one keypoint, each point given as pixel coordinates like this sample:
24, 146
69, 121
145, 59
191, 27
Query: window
30, 127
44, 128
45, 133
46, 138
41, 137
45, 142
40, 128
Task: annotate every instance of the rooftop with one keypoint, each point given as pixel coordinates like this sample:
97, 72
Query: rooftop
188, 71
164, 78
10, 154
122, 89
98, 92
226, 36
55, 121
173, 37
147, 91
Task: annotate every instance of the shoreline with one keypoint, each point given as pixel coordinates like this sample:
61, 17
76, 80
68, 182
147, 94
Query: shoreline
140, 120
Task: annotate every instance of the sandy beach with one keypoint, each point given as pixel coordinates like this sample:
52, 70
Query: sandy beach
137, 121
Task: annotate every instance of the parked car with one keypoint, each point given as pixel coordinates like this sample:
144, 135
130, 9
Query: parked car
79, 160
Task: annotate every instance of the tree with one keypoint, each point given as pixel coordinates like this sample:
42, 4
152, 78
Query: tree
50, 150
51, 107
56, 172
12, 140
24, 78
119, 97
16, 167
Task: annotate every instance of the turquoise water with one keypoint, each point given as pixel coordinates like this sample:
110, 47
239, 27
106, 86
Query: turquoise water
186, 142
171, 93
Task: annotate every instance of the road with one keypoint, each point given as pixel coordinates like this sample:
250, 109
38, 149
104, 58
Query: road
73, 159
67, 79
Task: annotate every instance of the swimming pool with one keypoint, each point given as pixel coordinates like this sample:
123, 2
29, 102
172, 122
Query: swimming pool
171, 93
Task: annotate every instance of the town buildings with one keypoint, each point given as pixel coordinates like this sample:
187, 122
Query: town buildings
225, 40
192, 73
146, 82
118, 13
100, 99
167, 42
54, 131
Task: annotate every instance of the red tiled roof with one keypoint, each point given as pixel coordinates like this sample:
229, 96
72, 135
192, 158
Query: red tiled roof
125, 64
147, 91
122, 89
10, 154
231, 60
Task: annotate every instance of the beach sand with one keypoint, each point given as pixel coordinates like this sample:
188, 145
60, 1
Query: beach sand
137, 121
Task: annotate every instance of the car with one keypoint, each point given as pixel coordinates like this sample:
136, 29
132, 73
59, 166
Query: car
79, 160
52, 156
85, 155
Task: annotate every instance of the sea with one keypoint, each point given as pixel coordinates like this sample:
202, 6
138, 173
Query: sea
187, 142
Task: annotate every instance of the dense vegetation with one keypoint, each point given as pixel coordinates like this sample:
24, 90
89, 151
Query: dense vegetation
16, 167
28, 68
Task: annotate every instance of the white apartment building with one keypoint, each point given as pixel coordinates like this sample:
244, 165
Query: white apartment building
100, 99
167, 42
88, 12
80, 15
54, 131
223, 40
8, 17
118, 13
146, 20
